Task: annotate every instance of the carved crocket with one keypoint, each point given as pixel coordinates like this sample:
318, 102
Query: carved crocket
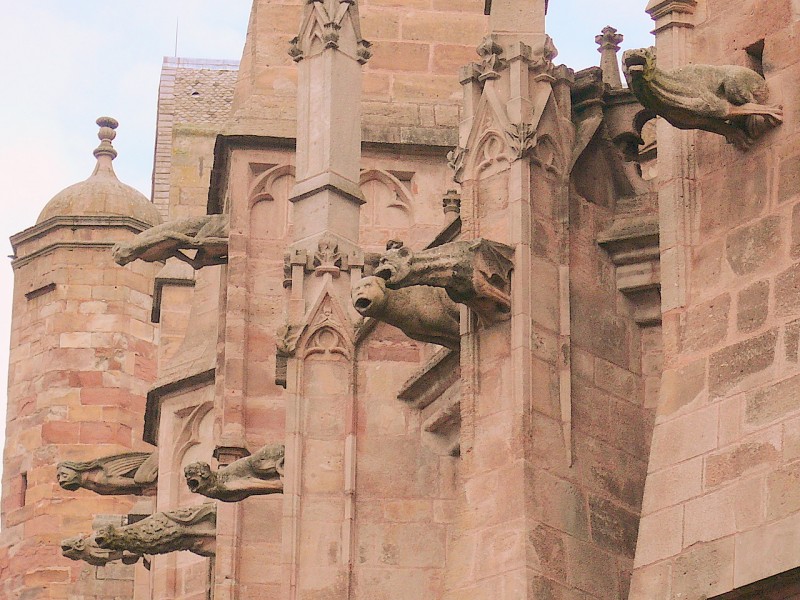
85, 548
258, 474
728, 100
130, 473
193, 529
208, 235
476, 273
422, 312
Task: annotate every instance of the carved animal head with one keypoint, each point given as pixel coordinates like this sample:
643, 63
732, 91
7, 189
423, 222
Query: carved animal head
74, 547
369, 296
107, 537
68, 478
123, 253
395, 264
199, 477
639, 61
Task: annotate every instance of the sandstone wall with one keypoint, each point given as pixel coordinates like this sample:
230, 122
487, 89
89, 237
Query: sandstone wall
721, 501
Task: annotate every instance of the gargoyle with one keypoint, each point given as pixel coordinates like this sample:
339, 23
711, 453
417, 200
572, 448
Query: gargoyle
193, 529
255, 475
476, 273
130, 473
208, 235
728, 100
422, 312
85, 548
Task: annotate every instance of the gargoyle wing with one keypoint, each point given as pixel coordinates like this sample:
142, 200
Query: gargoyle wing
194, 514
148, 471
494, 261
123, 465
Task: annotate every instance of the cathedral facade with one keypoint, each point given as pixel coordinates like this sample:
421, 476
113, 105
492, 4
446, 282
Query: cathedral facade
405, 321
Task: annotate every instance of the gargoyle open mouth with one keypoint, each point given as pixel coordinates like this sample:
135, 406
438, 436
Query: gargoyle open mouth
362, 304
635, 62
385, 271
193, 483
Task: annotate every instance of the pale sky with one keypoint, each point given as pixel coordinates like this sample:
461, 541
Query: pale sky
67, 62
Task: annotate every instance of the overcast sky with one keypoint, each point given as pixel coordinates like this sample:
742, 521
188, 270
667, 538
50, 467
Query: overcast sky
68, 62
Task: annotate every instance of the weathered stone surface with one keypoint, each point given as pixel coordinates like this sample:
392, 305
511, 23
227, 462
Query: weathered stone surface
193, 529
728, 100
783, 491
704, 570
706, 324
129, 473
732, 365
772, 403
207, 235
422, 312
753, 306
787, 292
680, 387
750, 248
258, 474
732, 463
613, 527
789, 179
475, 273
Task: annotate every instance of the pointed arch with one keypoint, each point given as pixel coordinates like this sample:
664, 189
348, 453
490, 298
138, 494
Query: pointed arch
268, 200
389, 203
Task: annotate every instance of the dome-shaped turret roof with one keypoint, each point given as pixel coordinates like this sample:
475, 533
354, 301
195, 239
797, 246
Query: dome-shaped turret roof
102, 194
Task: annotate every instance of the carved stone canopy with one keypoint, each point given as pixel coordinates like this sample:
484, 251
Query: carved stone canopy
728, 100
255, 475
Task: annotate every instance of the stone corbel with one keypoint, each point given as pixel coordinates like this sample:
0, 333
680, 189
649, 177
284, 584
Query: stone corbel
475, 273
119, 474
633, 246
193, 529
258, 474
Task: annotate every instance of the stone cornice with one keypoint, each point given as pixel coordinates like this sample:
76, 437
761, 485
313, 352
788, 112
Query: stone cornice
94, 221
671, 13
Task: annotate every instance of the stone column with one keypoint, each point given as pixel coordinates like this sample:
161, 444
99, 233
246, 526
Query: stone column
319, 502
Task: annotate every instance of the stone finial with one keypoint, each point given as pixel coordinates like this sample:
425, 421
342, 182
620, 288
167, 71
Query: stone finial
609, 41
106, 135
451, 205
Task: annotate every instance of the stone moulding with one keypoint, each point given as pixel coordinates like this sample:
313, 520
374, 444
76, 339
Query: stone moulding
85, 548
258, 474
193, 529
423, 313
207, 235
728, 100
130, 473
476, 273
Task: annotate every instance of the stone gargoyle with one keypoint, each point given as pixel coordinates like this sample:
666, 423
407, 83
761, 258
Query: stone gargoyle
422, 312
208, 235
193, 529
85, 548
476, 273
255, 475
728, 100
130, 473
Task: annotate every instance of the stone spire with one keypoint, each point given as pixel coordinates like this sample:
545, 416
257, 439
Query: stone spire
105, 152
609, 41
329, 51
